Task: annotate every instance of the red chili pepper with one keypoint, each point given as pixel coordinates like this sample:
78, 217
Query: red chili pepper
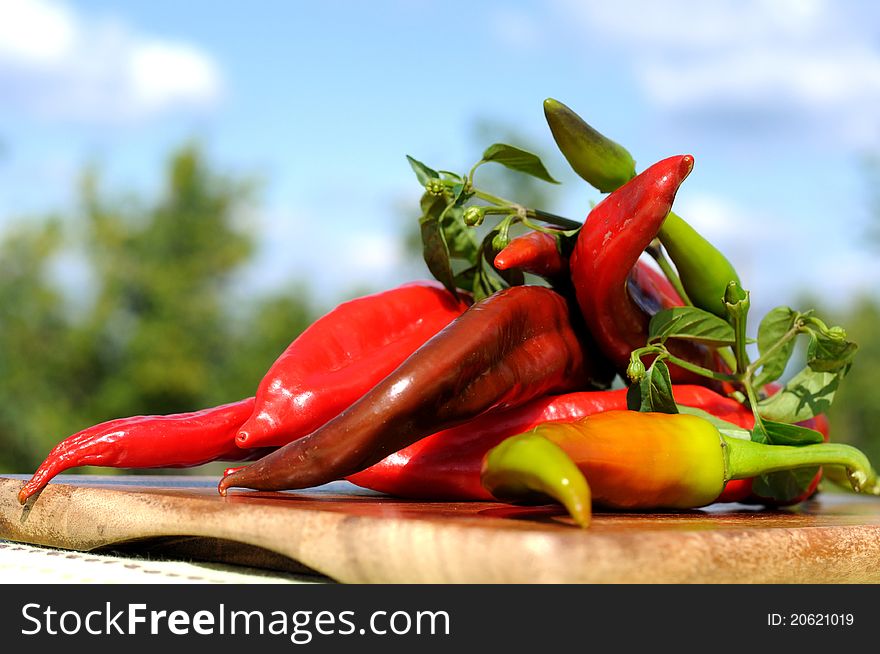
173, 441
342, 356
512, 347
537, 253
613, 238
446, 465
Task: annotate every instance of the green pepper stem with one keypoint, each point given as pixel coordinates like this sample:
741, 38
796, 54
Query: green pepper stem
656, 253
745, 459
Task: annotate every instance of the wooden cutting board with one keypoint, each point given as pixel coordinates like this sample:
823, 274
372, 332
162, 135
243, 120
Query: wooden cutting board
358, 536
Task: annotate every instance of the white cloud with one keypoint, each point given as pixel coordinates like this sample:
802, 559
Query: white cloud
61, 64
749, 60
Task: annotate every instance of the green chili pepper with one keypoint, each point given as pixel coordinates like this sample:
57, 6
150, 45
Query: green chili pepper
531, 466
599, 160
703, 270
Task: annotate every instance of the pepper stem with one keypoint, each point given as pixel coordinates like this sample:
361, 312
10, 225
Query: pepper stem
744, 459
656, 253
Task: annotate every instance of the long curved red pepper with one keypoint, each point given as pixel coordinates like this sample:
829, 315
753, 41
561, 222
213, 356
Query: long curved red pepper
342, 356
512, 347
172, 441
615, 234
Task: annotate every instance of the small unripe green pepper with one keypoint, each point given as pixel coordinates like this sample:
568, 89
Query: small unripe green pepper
603, 163
704, 271
541, 468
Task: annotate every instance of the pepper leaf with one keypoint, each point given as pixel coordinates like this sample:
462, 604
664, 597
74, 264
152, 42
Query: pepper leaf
423, 172
490, 248
782, 433
517, 159
773, 328
466, 278
690, 323
460, 239
829, 351
485, 283
434, 248
653, 393
807, 394
784, 486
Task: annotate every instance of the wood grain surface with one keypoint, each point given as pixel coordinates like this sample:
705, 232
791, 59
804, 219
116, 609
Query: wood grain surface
357, 536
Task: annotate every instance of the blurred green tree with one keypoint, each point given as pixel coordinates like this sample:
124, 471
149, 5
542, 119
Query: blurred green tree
855, 413
158, 331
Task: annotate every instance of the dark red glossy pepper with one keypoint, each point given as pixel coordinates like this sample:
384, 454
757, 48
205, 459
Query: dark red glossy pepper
172, 441
512, 347
613, 238
446, 465
342, 356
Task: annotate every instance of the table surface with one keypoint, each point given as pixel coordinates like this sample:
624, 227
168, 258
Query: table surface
352, 535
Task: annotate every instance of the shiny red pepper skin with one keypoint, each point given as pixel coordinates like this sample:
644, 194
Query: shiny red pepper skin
172, 441
342, 356
510, 348
613, 238
536, 253
446, 465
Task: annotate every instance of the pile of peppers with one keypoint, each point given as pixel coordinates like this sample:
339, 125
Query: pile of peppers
460, 390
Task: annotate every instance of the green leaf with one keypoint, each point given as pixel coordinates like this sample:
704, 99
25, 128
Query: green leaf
490, 249
434, 248
782, 433
775, 325
466, 278
486, 283
517, 159
829, 352
423, 173
690, 323
807, 394
460, 239
449, 175
654, 392
786, 485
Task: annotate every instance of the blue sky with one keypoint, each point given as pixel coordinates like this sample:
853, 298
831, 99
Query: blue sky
776, 100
